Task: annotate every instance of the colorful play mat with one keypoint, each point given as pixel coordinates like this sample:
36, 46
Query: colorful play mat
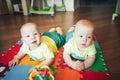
98, 71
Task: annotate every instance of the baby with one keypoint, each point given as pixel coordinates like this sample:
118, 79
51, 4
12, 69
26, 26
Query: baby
34, 46
79, 51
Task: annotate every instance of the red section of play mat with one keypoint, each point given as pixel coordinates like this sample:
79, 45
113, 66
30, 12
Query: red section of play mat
9, 54
91, 75
64, 72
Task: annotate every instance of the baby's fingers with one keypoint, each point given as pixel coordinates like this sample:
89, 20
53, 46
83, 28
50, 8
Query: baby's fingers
12, 63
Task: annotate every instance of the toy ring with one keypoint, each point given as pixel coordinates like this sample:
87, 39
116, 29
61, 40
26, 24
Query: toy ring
41, 72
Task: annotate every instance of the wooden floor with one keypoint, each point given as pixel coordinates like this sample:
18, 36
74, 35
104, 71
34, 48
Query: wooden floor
106, 30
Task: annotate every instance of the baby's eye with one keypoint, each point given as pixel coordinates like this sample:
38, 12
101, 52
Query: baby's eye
80, 36
35, 33
89, 37
27, 35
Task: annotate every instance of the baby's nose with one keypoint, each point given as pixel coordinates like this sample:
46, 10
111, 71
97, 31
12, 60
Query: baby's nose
84, 39
32, 37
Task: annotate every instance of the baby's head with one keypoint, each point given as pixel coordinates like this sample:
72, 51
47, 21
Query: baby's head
83, 33
30, 35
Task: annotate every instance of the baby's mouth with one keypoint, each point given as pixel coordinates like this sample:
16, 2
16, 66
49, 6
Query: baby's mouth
83, 44
34, 42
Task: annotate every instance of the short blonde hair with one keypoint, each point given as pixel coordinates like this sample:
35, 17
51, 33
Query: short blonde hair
27, 25
85, 23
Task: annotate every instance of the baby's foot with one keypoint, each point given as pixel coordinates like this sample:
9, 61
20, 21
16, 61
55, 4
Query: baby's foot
59, 30
71, 29
52, 30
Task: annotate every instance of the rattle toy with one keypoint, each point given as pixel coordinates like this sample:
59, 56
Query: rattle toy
41, 72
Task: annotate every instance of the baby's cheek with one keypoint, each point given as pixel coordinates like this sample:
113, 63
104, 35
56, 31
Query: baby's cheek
89, 42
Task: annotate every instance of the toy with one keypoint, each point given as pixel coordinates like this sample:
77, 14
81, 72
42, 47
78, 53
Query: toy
42, 72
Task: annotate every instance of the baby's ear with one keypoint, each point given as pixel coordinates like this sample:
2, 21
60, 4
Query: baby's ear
22, 39
41, 34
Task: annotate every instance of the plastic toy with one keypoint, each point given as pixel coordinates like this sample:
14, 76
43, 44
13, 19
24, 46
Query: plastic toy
42, 72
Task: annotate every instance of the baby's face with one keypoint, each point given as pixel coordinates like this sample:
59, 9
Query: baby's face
30, 36
83, 36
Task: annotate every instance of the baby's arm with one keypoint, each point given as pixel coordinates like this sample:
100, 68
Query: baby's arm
67, 59
16, 59
47, 61
89, 61
77, 65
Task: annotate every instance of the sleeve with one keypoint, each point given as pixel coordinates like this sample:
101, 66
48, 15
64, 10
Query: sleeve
67, 47
23, 48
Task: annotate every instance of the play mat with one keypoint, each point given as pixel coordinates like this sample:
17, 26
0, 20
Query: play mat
98, 71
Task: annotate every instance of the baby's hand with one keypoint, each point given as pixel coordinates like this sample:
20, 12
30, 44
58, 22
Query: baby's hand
78, 65
13, 62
